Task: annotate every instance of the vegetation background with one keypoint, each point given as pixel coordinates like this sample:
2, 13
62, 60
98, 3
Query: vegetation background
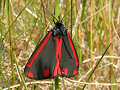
93, 25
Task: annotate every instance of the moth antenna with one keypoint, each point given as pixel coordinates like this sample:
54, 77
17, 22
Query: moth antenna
54, 21
59, 18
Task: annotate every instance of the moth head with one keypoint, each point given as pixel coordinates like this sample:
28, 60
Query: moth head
59, 29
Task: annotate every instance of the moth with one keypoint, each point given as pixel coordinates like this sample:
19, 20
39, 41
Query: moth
54, 56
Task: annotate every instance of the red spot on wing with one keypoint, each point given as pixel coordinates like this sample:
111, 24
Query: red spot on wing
30, 74
75, 72
46, 73
65, 71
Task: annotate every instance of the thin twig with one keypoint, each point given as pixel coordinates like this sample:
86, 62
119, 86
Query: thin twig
97, 84
29, 83
68, 81
96, 66
98, 57
32, 13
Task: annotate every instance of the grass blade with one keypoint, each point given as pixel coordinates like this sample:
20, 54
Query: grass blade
96, 66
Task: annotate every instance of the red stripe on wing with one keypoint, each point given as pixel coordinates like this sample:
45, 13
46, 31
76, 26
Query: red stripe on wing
75, 72
40, 50
57, 69
73, 49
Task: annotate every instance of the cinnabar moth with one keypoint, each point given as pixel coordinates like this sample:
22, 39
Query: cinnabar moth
54, 56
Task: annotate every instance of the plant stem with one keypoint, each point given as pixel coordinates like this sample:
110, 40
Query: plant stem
57, 83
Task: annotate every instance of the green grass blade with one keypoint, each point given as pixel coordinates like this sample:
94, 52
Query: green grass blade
93, 70
57, 9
